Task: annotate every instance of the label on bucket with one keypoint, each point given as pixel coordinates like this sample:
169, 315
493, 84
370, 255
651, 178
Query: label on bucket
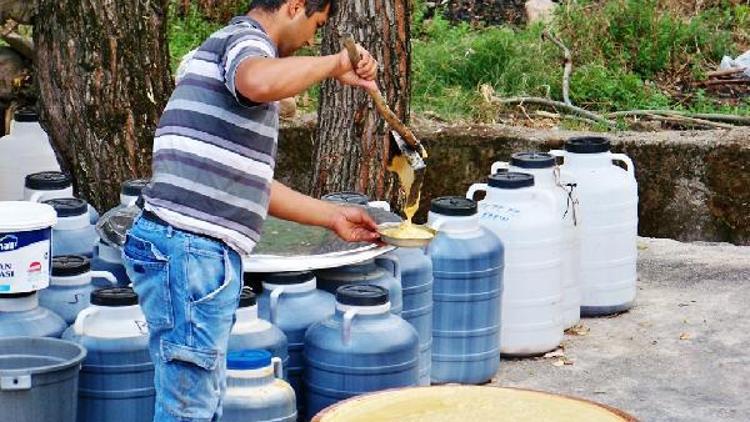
24, 261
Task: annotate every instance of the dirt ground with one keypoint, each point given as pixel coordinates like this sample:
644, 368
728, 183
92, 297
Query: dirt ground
681, 354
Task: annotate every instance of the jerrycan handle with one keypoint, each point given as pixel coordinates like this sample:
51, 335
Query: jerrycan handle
81, 318
346, 329
473, 189
278, 367
625, 159
274, 303
498, 165
390, 263
105, 275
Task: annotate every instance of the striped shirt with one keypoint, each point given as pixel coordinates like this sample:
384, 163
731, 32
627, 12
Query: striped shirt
214, 151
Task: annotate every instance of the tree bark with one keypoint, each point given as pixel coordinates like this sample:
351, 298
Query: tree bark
103, 72
352, 146
217, 11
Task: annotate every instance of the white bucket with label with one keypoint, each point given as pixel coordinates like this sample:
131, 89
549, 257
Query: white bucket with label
25, 245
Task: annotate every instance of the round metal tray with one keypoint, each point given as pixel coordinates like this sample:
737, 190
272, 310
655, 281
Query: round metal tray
288, 246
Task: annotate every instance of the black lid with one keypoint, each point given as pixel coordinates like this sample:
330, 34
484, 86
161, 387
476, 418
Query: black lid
114, 296
511, 180
70, 265
532, 160
68, 207
47, 180
297, 277
587, 145
247, 298
454, 206
17, 295
25, 115
133, 187
361, 295
347, 197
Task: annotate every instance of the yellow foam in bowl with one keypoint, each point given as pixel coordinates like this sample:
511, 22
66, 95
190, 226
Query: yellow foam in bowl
467, 404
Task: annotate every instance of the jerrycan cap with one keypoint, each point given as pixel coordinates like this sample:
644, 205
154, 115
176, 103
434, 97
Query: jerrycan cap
247, 298
248, 359
47, 180
453, 206
68, 207
133, 187
297, 277
70, 265
25, 115
532, 160
511, 180
348, 197
361, 295
587, 145
114, 297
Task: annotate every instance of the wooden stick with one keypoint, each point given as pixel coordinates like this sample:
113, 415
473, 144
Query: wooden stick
725, 72
543, 113
558, 104
714, 82
380, 104
689, 120
726, 118
568, 64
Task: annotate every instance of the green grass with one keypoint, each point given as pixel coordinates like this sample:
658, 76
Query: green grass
187, 32
627, 54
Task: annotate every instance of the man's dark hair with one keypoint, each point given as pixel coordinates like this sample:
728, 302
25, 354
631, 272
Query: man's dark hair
311, 6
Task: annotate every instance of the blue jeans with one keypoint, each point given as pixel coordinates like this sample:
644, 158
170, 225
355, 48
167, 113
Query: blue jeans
189, 288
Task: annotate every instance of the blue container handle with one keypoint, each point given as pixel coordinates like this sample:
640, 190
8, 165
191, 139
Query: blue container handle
390, 263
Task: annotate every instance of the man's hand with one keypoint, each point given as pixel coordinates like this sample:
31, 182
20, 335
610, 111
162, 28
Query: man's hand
363, 75
353, 224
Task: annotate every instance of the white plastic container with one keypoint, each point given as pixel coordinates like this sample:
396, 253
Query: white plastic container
608, 224
25, 246
46, 185
117, 377
70, 286
26, 149
255, 389
526, 221
547, 176
130, 190
74, 234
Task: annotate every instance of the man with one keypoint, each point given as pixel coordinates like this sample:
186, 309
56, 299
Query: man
213, 186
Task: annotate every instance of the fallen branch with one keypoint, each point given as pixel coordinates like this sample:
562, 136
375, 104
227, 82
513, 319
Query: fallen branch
726, 118
542, 113
683, 120
556, 104
568, 64
714, 82
725, 72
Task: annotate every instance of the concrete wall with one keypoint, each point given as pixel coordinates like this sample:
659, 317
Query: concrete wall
692, 185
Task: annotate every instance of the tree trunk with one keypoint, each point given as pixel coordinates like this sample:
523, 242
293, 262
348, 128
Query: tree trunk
352, 147
103, 72
217, 11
